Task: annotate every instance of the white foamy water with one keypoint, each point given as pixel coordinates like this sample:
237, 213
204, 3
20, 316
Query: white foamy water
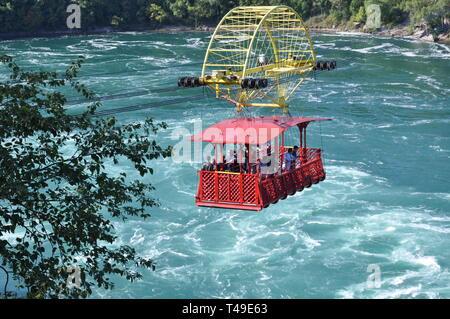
385, 200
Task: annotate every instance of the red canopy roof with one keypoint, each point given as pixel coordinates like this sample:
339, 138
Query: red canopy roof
250, 130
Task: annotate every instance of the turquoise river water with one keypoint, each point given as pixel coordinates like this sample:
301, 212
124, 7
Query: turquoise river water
385, 202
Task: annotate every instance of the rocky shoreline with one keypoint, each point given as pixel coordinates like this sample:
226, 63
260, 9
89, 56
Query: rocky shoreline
402, 32
395, 32
419, 33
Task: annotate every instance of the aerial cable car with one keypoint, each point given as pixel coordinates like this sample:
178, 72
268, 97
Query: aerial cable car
257, 58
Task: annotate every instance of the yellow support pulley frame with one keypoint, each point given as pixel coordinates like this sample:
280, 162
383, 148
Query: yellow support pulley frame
264, 42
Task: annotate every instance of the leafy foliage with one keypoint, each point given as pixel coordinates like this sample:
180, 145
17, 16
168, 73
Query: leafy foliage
29, 15
57, 187
430, 11
156, 13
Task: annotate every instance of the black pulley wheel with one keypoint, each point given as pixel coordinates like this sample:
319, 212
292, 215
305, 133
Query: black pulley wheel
244, 83
260, 84
196, 82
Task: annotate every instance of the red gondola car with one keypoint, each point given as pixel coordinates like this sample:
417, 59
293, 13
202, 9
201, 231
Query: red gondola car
261, 175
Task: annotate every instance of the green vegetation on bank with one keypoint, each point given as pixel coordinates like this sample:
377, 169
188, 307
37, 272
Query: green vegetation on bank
34, 15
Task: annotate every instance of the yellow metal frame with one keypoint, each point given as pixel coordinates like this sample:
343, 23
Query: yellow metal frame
270, 42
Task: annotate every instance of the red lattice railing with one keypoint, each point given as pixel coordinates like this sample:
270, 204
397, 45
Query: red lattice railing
308, 170
250, 191
228, 187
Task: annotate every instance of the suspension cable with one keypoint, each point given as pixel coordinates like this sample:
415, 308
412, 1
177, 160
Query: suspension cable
140, 70
149, 105
125, 71
122, 95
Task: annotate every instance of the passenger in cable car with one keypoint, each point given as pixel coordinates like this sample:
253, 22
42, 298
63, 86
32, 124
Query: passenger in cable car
208, 165
241, 157
222, 165
231, 161
266, 162
289, 160
295, 156
252, 159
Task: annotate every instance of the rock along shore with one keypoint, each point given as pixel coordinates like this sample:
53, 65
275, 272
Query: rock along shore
395, 32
